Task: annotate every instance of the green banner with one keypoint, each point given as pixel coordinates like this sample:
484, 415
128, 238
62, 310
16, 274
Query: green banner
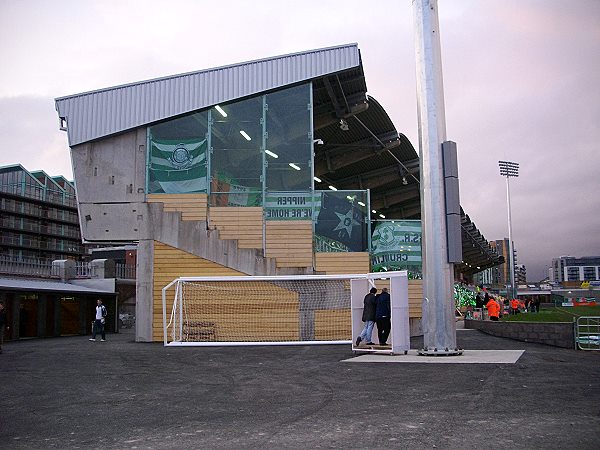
177, 167
396, 245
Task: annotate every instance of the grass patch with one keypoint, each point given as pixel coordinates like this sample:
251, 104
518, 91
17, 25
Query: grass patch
557, 314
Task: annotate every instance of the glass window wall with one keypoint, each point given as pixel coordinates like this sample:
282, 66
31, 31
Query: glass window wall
236, 157
246, 148
288, 146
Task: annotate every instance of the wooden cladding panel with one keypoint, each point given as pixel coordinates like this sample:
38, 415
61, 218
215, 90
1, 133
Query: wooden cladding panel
241, 224
191, 206
415, 295
171, 263
343, 262
333, 325
290, 242
415, 298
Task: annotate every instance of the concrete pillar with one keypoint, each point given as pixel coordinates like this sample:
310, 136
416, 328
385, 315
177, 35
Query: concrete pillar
64, 268
144, 291
103, 268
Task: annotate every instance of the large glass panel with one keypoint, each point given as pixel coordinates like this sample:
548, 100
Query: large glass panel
237, 162
289, 142
396, 245
341, 221
178, 155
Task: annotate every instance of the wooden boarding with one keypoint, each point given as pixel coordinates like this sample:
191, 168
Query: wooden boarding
290, 242
333, 324
341, 263
171, 263
270, 315
415, 295
191, 206
243, 224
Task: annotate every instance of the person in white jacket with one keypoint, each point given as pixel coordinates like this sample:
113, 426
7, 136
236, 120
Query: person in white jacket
99, 321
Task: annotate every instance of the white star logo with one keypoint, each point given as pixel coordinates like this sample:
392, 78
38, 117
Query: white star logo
347, 221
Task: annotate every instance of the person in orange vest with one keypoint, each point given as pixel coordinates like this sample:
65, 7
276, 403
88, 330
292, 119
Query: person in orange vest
514, 306
493, 309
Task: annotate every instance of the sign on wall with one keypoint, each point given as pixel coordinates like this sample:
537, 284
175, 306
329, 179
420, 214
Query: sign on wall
291, 205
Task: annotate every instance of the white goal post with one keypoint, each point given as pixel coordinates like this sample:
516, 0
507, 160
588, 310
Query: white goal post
278, 310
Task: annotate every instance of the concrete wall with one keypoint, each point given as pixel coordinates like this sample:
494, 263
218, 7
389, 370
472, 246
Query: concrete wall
111, 170
554, 333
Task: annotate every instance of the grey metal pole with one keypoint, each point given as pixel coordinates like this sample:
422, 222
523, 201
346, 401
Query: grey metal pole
511, 264
439, 324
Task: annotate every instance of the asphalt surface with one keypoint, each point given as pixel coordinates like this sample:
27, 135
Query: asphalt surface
71, 393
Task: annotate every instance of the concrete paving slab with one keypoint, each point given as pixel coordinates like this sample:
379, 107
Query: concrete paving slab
468, 357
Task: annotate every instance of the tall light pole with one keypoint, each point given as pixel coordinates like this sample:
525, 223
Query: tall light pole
510, 169
439, 323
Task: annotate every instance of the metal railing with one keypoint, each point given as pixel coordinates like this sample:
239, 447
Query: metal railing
25, 267
125, 271
44, 269
587, 333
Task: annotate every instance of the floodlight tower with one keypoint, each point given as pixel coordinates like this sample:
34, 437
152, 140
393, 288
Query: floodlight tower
510, 169
439, 322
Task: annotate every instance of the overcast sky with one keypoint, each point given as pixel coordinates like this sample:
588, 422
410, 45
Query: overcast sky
521, 82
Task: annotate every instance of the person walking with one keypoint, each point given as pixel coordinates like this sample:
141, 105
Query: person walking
99, 321
3, 324
383, 314
368, 317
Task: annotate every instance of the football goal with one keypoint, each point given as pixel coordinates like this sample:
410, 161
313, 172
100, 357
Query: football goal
271, 310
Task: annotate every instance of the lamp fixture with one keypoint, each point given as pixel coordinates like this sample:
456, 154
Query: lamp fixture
344, 125
318, 141
382, 216
243, 133
218, 108
333, 188
317, 179
270, 153
361, 203
404, 181
373, 211
294, 166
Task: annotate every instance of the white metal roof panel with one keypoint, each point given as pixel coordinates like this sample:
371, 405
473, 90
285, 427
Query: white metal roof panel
92, 115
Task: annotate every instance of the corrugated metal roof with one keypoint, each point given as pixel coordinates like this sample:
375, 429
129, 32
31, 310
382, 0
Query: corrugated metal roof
92, 115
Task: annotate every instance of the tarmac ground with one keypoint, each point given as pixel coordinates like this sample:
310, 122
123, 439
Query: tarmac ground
69, 393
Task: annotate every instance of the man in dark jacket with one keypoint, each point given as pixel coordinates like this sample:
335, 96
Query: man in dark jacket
368, 317
383, 314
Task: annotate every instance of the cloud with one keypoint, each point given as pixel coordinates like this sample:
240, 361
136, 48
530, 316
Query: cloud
29, 135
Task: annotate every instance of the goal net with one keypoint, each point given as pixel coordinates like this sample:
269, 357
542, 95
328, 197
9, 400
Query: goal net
270, 310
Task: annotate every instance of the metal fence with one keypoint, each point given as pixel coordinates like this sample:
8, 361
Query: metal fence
44, 269
587, 333
125, 271
35, 268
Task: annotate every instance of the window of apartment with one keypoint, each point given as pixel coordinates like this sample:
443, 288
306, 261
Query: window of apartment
589, 273
573, 273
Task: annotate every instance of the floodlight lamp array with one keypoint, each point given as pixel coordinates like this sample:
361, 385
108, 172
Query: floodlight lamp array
509, 168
